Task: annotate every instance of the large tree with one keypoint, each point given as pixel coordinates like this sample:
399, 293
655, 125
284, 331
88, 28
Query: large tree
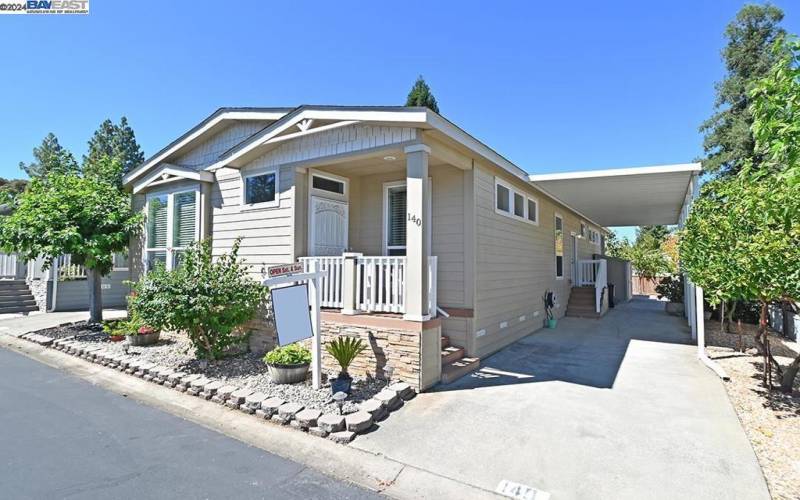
421, 95
50, 157
748, 56
115, 141
84, 216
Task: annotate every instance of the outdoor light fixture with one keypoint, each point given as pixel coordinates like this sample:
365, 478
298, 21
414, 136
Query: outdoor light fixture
339, 398
125, 349
388, 370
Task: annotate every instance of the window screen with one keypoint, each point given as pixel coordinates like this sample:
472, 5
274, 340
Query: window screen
519, 205
503, 201
184, 217
157, 222
532, 210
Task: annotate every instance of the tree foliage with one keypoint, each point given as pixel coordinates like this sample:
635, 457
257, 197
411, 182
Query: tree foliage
648, 254
206, 298
421, 95
748, 56
10, 189
115, 141
50, 157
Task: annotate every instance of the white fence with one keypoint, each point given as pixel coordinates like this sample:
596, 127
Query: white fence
380, 283
67, 270
593, 273
9, 266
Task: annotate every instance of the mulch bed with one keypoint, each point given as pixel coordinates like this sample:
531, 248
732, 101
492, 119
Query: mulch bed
246, 371
771, 419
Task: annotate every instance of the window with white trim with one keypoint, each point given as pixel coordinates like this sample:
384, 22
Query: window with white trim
120, 261
173, 223
260, 188
583, 230
559, 250
395, 209
515, 204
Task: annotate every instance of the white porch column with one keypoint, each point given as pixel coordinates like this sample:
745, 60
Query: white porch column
417, 240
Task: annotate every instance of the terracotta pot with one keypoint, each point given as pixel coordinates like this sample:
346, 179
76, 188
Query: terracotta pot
116, 338
287, 374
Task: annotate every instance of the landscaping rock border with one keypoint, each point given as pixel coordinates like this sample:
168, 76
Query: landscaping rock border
338, 428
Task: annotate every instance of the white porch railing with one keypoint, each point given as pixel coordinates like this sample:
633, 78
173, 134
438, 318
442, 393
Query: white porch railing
67, 270
593, 273
379, 282
331, 282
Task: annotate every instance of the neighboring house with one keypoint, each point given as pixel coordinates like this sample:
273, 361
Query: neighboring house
27, 287
438, 250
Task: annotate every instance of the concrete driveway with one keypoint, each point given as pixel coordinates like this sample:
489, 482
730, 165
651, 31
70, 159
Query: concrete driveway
615, 408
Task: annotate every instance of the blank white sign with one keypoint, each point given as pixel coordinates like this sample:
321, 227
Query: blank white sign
292, 316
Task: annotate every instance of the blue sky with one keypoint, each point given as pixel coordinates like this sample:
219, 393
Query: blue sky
553, 86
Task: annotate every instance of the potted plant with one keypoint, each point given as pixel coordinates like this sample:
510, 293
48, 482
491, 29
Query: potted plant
288, 364
549, 304
344, 350
115, 330
671, 288
138, 333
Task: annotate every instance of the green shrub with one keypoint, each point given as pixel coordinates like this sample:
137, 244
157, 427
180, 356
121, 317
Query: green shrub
671, 287
344, 350
207, 299
292, 354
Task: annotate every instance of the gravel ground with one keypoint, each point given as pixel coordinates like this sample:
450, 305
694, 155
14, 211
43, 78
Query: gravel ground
770, 419
244, 370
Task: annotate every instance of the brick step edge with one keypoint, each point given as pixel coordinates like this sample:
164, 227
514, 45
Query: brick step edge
392, 397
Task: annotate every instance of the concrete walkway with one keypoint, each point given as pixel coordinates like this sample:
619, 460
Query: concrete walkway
617, 408
20, 325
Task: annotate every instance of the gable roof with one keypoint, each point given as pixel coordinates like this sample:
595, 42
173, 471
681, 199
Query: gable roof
208, 125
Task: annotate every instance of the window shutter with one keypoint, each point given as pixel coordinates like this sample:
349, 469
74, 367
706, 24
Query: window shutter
397, 217
185, 219
157, 222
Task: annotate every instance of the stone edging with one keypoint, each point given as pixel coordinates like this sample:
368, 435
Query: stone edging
338, 428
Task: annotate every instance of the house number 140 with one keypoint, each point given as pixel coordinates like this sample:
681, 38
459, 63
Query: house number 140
414, 219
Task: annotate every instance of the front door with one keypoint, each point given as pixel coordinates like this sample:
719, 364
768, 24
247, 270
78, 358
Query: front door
328, 221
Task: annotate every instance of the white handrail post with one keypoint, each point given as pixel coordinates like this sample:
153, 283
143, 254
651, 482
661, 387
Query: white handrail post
316, 341
349, 283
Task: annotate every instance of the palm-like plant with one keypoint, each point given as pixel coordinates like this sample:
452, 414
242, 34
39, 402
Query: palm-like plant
344, 350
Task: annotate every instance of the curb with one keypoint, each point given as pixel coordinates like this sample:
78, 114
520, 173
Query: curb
338, 428
372, 471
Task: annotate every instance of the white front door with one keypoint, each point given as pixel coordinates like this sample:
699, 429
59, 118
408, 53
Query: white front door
328, 224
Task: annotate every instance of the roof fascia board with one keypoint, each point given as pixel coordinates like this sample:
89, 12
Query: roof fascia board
174, 170
213, 120
617, 172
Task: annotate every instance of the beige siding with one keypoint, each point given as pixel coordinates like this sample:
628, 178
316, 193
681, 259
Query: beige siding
515, 264
267, 233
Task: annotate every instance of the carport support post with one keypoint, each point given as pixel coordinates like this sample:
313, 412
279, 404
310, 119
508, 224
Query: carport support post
700, 321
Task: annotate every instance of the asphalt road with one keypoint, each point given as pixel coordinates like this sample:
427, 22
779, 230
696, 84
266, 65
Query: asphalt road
61, 437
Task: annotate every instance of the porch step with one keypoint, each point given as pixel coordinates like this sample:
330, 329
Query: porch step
582, 303
445, 342
451, 354
18, 309
583, 312
457, 369
17, 301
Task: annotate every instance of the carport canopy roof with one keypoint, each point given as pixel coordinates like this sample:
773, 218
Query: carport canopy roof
625, 196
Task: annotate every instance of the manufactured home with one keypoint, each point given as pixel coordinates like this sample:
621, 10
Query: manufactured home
437, 250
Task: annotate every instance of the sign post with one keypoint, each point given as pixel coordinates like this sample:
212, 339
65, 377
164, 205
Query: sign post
293, 273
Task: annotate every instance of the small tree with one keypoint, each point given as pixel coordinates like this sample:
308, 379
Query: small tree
741, 242
206, 298
421, 95
69, 214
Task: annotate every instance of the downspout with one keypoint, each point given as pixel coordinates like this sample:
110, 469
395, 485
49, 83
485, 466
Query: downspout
701, 336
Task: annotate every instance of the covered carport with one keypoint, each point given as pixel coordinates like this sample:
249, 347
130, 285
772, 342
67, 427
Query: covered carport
639, 196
